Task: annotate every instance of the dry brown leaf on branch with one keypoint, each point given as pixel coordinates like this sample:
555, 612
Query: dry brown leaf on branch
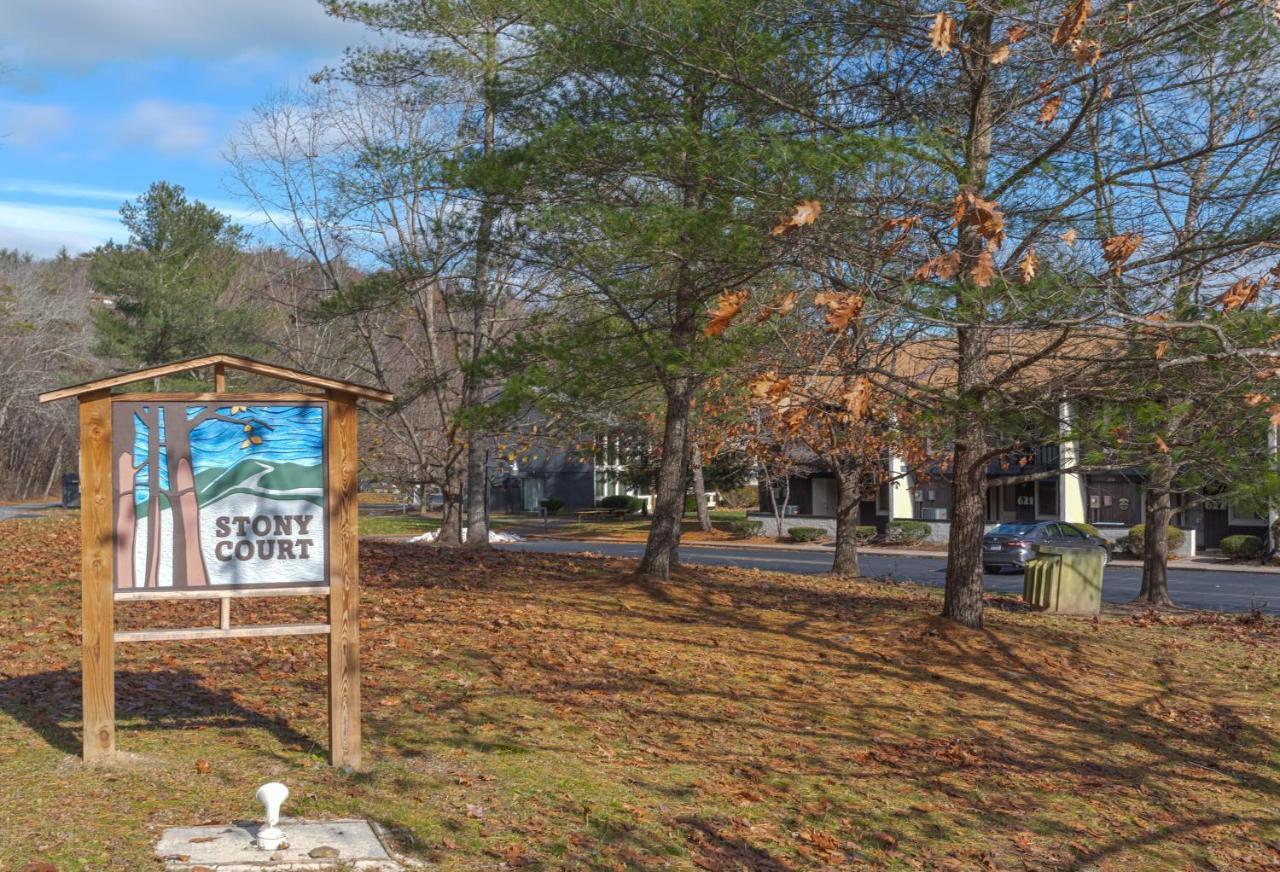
769, 386
782, 306
1086, 52
1274, 411
1161, 445
943, 33
1017, 33
1242, 292
728, 305
983, 215
1162, 348
842, 309
1049, 110
1118, 249
1073, 21
1252, 400
999, 54
984, 271
944, 266
857, 399
903, 224
805, 212
1029, 266
1070, 237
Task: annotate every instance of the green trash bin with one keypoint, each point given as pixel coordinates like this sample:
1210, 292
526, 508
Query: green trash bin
1066, 581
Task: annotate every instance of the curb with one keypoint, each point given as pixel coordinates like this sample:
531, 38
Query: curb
879, 552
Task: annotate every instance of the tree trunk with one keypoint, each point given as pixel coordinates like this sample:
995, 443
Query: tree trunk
848, 513
450, 534
477, 496
1155, 548
662, 550
965, 576
187, 553
699, 488
126, 518
962, 602
153, 498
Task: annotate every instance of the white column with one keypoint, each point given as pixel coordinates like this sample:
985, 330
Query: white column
1071, 491
900, 504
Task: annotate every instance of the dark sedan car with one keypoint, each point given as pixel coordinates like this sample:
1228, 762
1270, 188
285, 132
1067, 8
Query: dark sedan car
1010, 546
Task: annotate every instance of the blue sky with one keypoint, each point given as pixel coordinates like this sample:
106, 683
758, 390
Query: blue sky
99, 98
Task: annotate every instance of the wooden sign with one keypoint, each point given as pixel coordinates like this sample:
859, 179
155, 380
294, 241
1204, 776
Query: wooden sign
219, 496
223, 495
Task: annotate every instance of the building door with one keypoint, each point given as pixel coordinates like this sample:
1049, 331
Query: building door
1215, 525
534, 490
824, 497
1113, 501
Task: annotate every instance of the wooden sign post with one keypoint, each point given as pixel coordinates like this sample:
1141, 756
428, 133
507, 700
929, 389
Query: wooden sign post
219, 496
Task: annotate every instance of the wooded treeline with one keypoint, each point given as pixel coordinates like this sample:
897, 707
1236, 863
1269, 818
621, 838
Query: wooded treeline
860, 230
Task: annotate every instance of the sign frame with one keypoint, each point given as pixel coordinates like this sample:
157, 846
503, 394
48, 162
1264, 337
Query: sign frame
98, 593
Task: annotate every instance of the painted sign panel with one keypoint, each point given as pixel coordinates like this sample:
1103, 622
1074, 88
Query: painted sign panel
211, 494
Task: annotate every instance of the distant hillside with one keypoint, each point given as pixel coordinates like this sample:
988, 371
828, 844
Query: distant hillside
280, 481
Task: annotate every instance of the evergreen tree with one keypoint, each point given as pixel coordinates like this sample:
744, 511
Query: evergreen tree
166, 286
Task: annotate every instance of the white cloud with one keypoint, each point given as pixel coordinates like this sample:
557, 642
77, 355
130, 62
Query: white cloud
167, 127
78, 34
43, 229
60, 189
31, 125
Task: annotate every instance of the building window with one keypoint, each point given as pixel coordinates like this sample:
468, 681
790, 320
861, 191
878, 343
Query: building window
1242, 518
882, 500
1047, 498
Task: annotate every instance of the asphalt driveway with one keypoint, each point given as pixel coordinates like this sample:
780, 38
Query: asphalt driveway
1190, 588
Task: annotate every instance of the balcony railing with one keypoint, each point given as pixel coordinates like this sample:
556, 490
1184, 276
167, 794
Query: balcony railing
1044, 458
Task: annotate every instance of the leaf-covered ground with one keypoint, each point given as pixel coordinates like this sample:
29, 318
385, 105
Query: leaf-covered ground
548, 712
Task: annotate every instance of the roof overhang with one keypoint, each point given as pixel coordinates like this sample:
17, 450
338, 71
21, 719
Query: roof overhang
229, 361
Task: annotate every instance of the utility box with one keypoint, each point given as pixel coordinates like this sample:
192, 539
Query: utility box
70, 490
1066, 581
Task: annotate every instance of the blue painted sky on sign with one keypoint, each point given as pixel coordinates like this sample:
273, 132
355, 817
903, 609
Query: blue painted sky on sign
292, 434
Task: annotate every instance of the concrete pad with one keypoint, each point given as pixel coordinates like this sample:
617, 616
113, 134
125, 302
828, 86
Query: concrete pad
231, 848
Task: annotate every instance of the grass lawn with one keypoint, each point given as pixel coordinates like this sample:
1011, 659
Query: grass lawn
637, 527
550, 712
396, 525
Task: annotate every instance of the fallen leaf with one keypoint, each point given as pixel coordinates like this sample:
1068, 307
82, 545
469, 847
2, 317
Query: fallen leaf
203, 767
475, 812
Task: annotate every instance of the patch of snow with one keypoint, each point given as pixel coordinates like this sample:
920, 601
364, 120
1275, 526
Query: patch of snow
495, 537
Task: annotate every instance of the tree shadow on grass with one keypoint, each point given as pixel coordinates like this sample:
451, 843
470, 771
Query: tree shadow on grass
49, 703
